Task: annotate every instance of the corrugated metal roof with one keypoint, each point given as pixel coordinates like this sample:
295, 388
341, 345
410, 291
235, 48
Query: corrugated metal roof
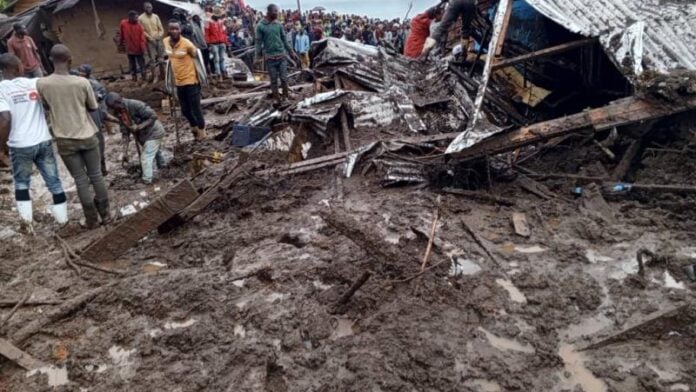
658, 35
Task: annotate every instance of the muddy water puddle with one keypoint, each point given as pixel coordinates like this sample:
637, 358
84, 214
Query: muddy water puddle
343, 328
505, 344
587, 327
574, 363
515, 294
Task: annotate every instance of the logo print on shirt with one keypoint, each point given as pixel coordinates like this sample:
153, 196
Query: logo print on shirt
34, 96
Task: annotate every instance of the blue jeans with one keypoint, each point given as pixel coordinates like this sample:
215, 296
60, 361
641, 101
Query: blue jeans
277, 68
23, 160
152, 151
219, 51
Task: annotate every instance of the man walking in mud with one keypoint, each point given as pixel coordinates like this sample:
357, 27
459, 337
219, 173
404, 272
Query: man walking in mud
23, 127
464, 9
272, 43
69, 100
188, 73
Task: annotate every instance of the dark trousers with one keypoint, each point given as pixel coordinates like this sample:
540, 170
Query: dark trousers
190, 101
136, 62
465, 9
102, 146
206, 59
82, 158
277, 69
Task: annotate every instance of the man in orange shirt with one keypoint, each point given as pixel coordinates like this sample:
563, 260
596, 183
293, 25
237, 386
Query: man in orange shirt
187, 76
23, 46
420, 31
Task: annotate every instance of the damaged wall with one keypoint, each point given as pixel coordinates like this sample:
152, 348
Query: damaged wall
77, 28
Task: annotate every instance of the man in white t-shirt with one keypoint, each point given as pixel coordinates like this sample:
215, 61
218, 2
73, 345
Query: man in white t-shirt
23, 127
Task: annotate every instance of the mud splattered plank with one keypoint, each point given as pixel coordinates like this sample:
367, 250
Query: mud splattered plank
121, 238
14, 354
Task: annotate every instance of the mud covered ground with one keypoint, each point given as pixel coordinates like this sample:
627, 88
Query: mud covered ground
528, 316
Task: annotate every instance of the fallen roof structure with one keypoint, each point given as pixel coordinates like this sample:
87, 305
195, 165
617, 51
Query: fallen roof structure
640, 35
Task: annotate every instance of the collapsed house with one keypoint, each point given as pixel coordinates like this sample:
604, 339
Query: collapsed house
87, 27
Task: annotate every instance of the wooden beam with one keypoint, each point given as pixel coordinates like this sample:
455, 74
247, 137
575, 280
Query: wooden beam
122, 237
544, 53
504, 28
500, 23
14, 354
622, 112
234, 97
200, 203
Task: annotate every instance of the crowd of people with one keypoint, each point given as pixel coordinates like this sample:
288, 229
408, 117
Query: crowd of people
186, 51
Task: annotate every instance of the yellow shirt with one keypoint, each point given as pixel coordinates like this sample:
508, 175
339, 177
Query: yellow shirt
181, 57
152, 26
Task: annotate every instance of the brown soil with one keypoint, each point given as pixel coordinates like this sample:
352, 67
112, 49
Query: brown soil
180, 321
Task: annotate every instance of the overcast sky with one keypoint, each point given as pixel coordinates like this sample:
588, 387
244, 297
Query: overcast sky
373, 8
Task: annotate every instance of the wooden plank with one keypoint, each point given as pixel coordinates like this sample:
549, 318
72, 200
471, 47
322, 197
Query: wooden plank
481, 196
621, 170
544, 53
14, 354
652, 326
519, 222
214, 192
500, 23
122, 237
622, 112
234, 97
504, 28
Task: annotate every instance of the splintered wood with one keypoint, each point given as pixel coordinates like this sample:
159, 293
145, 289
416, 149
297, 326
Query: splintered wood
622, 112
121, 238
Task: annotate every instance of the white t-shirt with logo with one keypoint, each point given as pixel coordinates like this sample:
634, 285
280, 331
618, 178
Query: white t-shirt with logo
19, 97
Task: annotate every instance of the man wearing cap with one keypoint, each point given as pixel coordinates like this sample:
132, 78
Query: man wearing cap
154, 32
23, 46
133, 39
138, 119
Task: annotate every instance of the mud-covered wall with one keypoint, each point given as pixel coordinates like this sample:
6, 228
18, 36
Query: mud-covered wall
77, 28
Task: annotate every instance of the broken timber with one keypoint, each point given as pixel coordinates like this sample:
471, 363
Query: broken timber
618, 113
14, 354
653, 326
199, 203
363, 235
121, 238
544, 53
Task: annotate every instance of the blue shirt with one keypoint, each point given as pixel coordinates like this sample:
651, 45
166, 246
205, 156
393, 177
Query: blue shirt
302, 43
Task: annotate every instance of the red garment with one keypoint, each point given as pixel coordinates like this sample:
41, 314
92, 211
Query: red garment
133, 37
25, 49
215, 33
420, 31
318, 33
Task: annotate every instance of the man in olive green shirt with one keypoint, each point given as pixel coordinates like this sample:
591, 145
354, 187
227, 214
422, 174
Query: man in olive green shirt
271, 42
69, 100
154, 33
